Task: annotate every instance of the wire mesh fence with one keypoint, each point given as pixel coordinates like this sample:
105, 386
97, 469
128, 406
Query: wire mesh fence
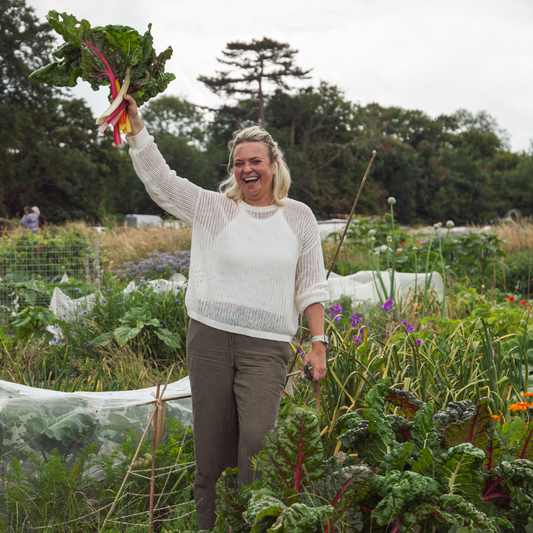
31, 267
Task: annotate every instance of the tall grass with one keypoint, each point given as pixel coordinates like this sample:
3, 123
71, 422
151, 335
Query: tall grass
121, 243
518, 237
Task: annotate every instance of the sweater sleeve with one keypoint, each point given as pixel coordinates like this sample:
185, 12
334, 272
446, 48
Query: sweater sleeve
310, 274
176, 195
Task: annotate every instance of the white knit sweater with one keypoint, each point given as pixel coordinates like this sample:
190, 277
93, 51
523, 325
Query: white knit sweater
253, 269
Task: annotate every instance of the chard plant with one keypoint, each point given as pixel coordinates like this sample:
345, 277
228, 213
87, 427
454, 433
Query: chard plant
115, 56
410, 471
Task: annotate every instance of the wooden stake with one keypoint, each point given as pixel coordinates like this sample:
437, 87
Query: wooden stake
351, 214
152, 479
139, 447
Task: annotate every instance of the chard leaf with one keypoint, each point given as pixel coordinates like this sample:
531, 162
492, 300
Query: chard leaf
494, 452
399, 491
407, 401
427, 465
292, 457
455, 412
423, 433
344, 490
298, 518
524, 449
473, 427
356, 436
400, 426
101, 55
467, 514
263, 510
347, 421
461, 466
398, 457
375, 414
518, 476
231, 504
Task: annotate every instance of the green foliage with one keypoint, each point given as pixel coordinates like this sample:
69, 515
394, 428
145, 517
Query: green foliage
134, 322
88, 53
75, 495
30, 324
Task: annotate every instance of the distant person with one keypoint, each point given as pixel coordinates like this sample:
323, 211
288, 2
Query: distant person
42, 220
30, 220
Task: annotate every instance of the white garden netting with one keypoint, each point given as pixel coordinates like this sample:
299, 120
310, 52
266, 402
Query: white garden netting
368, 288
39, 420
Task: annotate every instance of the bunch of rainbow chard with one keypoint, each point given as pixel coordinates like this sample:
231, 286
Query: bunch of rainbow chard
115, 56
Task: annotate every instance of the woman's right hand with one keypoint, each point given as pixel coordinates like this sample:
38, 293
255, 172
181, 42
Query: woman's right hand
133, 114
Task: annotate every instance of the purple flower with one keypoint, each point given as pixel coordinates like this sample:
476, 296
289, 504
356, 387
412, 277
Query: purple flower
76, 289
388, 332
300, 353
418, 342
178, 301
88, 345
388, 305
85, 313
104, 301
437, 378
335, 311
119, 303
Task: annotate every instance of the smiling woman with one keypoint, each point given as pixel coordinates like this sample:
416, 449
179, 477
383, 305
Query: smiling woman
256, 264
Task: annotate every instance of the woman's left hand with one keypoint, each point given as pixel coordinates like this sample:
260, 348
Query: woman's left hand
317, 359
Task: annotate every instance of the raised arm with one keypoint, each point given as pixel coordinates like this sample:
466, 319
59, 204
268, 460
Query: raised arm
176, 195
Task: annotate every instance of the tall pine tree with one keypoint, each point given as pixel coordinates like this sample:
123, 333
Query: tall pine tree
252, 68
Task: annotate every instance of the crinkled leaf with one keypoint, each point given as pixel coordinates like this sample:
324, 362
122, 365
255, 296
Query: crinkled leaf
231, 504
262, 511
347, 421
299, 518
356, 436
461, 466
518, 476
293, 455
400, 489
398, 457
344, 490
407, 401
400, 426
423, 434
466, 513
375, 414
455, 412
101, 54
473, 427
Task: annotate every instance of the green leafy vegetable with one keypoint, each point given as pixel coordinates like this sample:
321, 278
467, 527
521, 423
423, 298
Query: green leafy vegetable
113, 56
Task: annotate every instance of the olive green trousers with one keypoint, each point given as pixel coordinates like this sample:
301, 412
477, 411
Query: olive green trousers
236, 383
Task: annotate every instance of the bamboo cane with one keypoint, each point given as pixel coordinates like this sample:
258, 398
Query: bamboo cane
338, 249
152, 478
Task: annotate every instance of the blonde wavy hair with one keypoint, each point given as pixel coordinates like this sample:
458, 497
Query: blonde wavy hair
282, 177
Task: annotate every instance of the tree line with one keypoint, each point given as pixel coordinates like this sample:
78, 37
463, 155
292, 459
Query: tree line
457, 166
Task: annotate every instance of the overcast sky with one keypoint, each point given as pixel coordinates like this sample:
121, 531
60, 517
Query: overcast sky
417, 54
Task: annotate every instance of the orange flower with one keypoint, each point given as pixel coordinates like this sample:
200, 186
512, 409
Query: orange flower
496, 417
510, 298
402, 244
519, 406
528, 394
